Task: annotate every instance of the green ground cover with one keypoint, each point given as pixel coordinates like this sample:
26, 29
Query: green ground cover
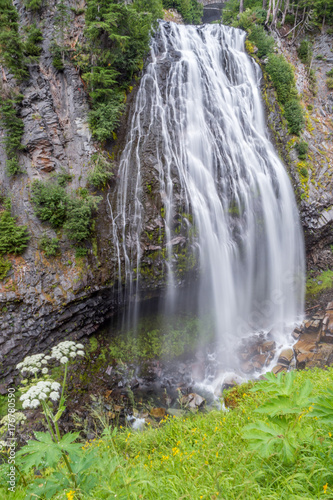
241, 453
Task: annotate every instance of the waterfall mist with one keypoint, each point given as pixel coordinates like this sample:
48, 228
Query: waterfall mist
199, 107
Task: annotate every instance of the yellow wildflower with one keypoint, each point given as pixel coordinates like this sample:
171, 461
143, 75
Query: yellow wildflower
325, 487
70, 495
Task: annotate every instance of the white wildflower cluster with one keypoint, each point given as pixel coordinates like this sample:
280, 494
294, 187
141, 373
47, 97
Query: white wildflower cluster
67, 350
34, 364
18, 418
42, 391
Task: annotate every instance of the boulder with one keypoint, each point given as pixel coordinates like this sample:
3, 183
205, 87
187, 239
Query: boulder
286, 356
278, 369
192, 401
157, 412
267, 346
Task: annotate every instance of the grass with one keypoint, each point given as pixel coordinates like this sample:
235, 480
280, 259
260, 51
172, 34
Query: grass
322, 281
203, 456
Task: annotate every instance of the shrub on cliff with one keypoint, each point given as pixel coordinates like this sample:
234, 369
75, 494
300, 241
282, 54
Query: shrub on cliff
101, 172
50, 202
294, 114
117, 40
13, 238
72, 212
79, 215
11, 45
14, 128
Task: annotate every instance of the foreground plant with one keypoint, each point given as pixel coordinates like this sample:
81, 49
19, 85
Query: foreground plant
285, 430
50, 447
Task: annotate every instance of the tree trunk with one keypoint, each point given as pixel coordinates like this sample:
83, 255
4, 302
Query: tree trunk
275, 12
269, 11
286, 7
295, 24
241, 6
264, 4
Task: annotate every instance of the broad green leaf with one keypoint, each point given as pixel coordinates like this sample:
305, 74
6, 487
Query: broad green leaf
323, 407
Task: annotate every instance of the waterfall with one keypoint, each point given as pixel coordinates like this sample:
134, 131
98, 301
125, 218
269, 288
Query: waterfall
199, 121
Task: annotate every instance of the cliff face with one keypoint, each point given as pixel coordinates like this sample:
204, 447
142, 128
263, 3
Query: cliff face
315, 189
46, 299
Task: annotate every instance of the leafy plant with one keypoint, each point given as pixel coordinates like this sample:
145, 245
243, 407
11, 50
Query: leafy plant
49, 447
282, 75
302, 149
80, 252
329, 83
63, 177
49, 245
263, 42
34, 38
304, 51
50, 202
13, 238
117, 39
5, 266
190, 10
295, 116
34, 5
79, 214
14, 127
323, 407
11, 45
102, 171
330, 73
282, 433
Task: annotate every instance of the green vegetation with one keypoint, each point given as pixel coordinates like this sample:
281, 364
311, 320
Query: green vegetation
329, 83
317, 284
304, 51
34, 5
11, 45
32, 48
330, 73
102, 171
59, 47
302, 148
81, 252
13, 238
73, 212
286, 453
279, 70
155, 339
49, 245
294, 114
190, 10
117, 37
50, 202
13, 125
5, 266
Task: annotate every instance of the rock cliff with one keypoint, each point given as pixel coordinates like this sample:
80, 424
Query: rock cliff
45, 299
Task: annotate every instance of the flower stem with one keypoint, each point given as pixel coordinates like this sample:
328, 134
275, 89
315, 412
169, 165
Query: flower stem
63, 386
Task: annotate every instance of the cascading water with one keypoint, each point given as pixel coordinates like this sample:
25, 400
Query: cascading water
199, 109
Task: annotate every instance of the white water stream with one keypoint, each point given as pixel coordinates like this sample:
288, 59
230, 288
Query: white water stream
199, 104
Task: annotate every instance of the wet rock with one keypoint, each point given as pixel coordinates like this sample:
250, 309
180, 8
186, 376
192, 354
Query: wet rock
259, 361
192, 401
278, 369
230, 381
157, 412
247, 367
312, 325
286, 356
267, 346
296, 333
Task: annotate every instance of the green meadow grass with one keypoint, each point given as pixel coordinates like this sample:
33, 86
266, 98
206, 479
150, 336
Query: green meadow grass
203, 456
